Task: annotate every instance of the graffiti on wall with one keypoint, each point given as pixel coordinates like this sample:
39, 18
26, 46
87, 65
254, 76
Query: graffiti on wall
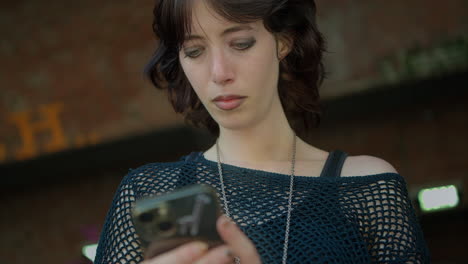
40, 131
445, 57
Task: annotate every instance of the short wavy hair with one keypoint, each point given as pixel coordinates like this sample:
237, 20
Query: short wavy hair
301, 71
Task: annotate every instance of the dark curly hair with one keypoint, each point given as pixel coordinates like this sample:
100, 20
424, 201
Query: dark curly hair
301, 71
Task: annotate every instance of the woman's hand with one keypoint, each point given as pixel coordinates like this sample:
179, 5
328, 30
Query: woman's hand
236, 244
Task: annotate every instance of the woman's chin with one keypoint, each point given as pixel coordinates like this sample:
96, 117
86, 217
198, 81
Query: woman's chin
234, 124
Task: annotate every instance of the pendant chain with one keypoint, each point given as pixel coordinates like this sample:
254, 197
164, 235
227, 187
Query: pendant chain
291, 184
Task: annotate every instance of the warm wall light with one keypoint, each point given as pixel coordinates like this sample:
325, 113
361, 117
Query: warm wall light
89, 251
438, 198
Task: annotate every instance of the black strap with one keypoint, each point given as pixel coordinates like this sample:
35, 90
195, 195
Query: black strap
334, 164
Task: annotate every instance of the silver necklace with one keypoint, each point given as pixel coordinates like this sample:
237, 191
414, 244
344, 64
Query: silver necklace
226, 208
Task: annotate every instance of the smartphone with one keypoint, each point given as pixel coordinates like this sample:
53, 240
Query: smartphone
169, 220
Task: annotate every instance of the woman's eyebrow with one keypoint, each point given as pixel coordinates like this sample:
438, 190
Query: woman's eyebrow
225, 32
236, 29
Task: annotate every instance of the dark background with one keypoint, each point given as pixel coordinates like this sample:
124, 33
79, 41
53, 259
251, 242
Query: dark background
76, 112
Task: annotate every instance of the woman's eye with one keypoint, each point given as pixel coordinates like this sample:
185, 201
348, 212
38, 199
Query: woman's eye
193, 53
244, 45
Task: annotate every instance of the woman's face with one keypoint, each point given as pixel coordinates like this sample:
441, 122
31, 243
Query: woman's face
232, 67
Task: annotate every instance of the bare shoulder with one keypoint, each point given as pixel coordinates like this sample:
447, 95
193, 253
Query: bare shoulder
365, 165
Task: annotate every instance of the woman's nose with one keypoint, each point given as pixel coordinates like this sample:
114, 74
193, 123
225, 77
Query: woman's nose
222, 69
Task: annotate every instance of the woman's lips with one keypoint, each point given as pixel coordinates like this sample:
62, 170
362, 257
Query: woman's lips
228, 102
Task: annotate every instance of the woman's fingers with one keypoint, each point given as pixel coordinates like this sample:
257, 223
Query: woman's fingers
185, 254
237, 241
218, 255
197, 252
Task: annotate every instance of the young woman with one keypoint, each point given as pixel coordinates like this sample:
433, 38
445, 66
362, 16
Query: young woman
249, 71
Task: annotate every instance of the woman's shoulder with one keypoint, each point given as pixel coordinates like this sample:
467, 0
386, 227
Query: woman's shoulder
364, 165
155, 177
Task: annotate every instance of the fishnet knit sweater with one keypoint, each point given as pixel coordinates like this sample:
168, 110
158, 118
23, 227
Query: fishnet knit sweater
362, 219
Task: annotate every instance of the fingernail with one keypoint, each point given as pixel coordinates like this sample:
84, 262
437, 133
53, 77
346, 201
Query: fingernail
200, 246
225, 221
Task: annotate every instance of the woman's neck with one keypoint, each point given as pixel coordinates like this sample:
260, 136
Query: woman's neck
270, 140
270, 145
270, 150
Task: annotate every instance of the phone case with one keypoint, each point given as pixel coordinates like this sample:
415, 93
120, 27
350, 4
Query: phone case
166, 221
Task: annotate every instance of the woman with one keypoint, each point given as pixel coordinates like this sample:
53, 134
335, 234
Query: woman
249, 71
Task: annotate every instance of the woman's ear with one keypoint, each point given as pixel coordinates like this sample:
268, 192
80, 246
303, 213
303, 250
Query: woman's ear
284, 44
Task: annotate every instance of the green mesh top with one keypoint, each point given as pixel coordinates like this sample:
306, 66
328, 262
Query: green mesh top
361, 219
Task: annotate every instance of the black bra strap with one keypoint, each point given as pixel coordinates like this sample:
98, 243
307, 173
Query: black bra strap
334, 164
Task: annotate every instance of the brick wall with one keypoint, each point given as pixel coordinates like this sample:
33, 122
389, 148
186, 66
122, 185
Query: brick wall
54, 53
426, 142
81, 62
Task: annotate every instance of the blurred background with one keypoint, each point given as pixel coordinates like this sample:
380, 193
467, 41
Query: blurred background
76, 113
